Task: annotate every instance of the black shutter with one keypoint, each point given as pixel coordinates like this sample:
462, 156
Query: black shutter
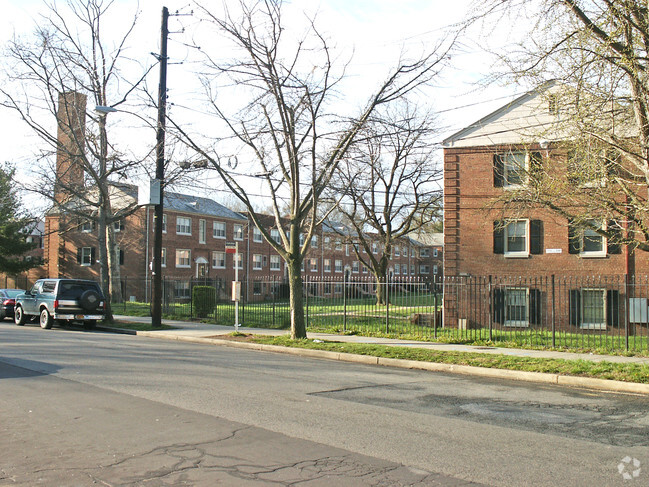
573, 239
498, 305
575, 307
536, 237
121, 257
536, 166
499, 171
535, 306
499, 238
78, 256
92, 256
613, 242
613, 308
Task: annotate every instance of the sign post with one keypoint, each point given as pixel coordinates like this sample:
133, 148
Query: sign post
231, 248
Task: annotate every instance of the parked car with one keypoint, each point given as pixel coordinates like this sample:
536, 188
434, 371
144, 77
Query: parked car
7, 302
61, 301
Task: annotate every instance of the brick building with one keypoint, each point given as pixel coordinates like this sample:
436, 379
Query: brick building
482, 241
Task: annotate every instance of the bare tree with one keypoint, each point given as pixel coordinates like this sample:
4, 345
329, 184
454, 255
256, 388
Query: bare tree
596, 52
284, 131
52, 74
389, 186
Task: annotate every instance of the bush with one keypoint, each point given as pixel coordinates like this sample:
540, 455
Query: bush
203, 300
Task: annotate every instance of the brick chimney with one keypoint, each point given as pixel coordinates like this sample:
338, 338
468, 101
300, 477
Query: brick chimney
71, 121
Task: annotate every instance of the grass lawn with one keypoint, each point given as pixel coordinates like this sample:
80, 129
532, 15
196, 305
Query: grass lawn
628, 372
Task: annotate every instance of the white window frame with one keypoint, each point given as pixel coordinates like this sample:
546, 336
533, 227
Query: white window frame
275, 263
256, 235
219, 230
525, 170
86, 256
424, 269
163, 257
313, 264
397, 251
181, 227
257, 260
593, 253
397, 269
218, 259
424, 253
435, 253
506, 231
179, 259
516, 321
86, 227
598, 325
274, 234
237, 232
202, 230
338, 265
327, 265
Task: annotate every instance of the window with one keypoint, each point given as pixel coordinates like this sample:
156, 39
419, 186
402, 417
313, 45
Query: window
164, 223
86, 256
327, 242
118, 226
238, 231
183, 225
365, 269
338, 288
182, 289
397, 269
314, 241
512, 169
256, 235
424, 253
516, 307
518, 238
412, 252
412, 269
86, 227
587, 242
163, 259
435, 253
256, 288
313, 265
435, 269
338, 265
274, 263
202, 230
346, 249
375, 247
218, 230
339, 245
594, 309
397, 251
356, 267
301, 239
424, 269
256, 262
588, 167
183, 258
218, 260
327, 265
274, 234
327, 288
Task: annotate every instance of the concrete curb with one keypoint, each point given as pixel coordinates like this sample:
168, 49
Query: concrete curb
520, 375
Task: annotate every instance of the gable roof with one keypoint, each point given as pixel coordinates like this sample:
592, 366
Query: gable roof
525, 119
202, 206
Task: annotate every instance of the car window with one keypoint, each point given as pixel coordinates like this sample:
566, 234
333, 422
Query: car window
12, 293
35, 288
49, 286
74, 290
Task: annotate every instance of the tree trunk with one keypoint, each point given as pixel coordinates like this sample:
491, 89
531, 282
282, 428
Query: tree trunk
113, 266
104, 261
382, 282
298, 325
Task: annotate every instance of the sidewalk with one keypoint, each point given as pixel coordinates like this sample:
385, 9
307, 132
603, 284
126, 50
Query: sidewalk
205, 330
209, 334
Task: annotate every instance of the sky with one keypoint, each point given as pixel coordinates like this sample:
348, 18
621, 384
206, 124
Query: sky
373, 34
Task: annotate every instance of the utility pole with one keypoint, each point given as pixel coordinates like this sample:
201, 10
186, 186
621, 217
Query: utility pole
156, 311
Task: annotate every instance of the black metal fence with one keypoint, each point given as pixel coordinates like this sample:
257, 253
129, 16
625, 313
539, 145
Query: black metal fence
609, 313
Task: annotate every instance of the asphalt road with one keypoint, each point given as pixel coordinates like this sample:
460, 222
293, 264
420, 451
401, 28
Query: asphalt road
81, 408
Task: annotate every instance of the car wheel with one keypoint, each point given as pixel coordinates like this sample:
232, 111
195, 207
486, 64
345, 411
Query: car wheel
89, 300
19, 316
46, 319
90, 324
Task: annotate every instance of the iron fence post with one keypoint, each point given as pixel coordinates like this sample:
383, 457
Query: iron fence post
306, 294
626, 313
554, 324
387, 305
435, 307
345, 302
491, 311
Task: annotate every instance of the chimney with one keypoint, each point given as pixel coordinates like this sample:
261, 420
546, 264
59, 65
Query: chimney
71, 121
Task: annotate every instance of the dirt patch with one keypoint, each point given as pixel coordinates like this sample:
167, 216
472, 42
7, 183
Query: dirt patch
234, 338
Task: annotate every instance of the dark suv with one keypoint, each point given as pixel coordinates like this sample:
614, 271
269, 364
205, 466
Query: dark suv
61, 301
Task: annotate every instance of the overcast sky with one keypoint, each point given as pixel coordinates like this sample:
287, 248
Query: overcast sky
373, 33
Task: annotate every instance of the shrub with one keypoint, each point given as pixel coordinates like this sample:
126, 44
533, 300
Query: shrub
203, 300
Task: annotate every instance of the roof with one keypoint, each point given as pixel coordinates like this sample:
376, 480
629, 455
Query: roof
428, 239
195, 204
524, 119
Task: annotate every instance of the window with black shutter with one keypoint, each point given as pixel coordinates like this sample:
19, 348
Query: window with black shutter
536, 237
499, 169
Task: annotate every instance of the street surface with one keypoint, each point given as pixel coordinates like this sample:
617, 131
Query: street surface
88, 408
